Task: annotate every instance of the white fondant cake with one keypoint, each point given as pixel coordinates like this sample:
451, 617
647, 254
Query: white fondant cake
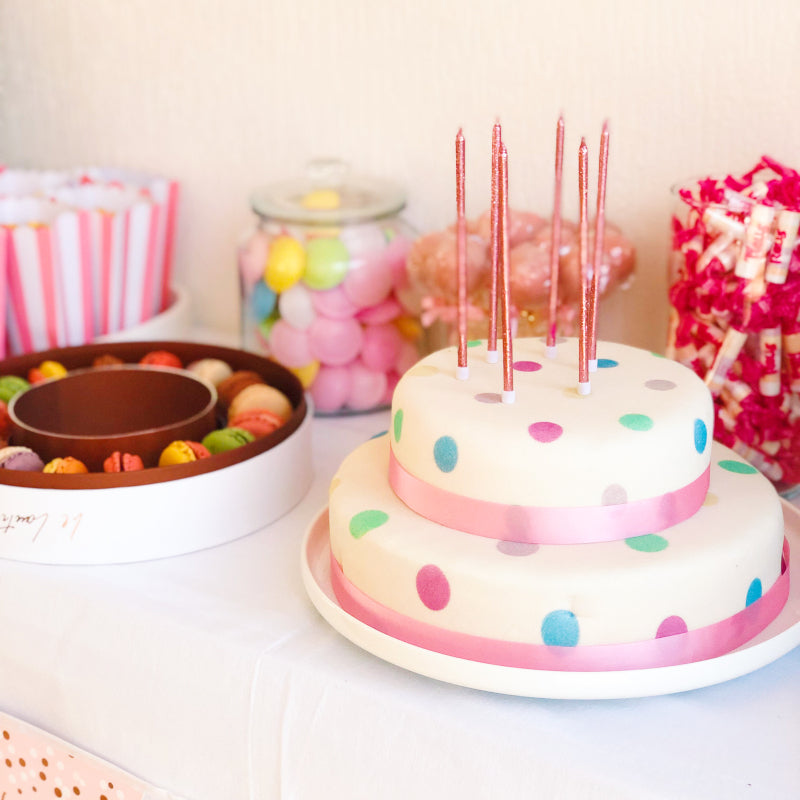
554, 557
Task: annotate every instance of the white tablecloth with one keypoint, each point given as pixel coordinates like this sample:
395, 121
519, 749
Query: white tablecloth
212, 677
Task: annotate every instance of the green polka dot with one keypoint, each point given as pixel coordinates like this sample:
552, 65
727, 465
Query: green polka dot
657, 355
739, 467
649, 543
398, 424
365, 521
473, 342
636, 422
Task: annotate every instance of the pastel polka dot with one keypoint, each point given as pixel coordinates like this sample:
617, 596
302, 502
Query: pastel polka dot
366, 521
517, 548
614, 495
700, 435
671, 626
473, 342
659, 385
517, 524
398, 424
738, 467
636, 422
649, 543
433, 588
488, 397
711, 499
527, 366
754, 592
445, 453
560, 628
379, 434
606, 363
545, 431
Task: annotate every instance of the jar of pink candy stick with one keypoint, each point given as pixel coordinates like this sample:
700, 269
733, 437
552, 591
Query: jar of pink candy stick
324, 287
735, 317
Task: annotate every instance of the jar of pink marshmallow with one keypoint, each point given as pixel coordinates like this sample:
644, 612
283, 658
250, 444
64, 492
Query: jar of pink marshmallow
324, 288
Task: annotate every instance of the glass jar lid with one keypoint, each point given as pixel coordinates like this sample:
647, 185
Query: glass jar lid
328, 194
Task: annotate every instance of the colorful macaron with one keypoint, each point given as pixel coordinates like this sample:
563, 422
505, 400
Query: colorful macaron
228, 389
11, 385
224, 439
122, 462
65, 466
21, 459
161, 358
182, 451
211, 370
261, 396
47, 370
260, 422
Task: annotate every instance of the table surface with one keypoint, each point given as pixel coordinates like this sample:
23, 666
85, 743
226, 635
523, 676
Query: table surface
211, 675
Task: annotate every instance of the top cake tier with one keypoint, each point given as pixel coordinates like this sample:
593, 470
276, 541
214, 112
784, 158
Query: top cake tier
555, 466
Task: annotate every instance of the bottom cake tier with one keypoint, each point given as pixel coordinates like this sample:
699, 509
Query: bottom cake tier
700, 588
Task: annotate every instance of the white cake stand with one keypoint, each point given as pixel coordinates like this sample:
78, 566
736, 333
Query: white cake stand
781, 636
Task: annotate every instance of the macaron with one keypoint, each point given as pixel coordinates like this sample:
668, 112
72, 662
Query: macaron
234, 383
107, 360
122, 462
5, 421
182, 451
20, 458
11, 385
261, 396
161, 358
224, 439
65, 466
259, 422
46, 370
211, 370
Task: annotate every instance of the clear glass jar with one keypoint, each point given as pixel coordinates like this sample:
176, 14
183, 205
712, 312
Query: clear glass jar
324, 287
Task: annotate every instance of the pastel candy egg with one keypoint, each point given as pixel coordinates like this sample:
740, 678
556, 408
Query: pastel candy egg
289, 345
322, 200
285, 264
327, 263
334, 341
396, 255
386, 311
381, 347
333, 303
296, 308
409, 355
306, 374
262, 301
369, 283
253, 258
362, 239
367, 388
331, 388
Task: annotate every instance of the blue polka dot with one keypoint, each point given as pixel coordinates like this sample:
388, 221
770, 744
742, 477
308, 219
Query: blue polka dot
378, 435
560, 628
700, 435
754, 592
445, 453
606, 363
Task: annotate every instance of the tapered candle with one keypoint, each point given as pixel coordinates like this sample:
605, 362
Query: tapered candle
555, 242
584, 387
505, 302
599, 240
462, 369
491, 347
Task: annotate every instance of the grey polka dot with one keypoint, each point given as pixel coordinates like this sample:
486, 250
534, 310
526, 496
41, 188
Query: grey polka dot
614, 495
660, 385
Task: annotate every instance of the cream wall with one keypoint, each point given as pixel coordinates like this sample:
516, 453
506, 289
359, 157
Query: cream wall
225, 96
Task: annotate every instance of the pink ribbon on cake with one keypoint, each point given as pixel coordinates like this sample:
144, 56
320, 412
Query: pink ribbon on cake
699, 644
545, 524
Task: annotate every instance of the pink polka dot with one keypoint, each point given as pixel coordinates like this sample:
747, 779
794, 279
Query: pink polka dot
433, 588
670, 627
488, 397
545, 431
527, 366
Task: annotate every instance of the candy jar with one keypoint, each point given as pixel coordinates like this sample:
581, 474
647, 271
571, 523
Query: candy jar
324, 287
